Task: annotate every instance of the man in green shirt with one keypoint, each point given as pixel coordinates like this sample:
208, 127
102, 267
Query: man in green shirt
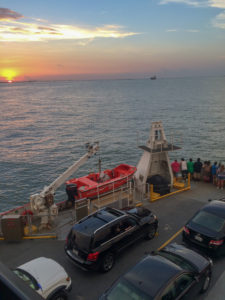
190, 167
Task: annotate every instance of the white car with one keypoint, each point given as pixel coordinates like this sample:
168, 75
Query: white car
47, 277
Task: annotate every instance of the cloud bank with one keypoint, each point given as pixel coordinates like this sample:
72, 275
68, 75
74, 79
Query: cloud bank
13, 29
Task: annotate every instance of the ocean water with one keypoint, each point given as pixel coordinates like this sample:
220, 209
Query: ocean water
45, 125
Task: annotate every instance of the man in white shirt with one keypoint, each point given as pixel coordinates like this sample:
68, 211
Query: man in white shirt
183, 167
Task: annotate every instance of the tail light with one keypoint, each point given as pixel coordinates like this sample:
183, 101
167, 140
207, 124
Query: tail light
216, 243
68, 279
93, 256
186, 230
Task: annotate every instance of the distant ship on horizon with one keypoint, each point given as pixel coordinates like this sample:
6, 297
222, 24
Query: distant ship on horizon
153, 77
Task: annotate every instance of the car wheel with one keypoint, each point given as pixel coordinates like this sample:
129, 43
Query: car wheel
61, 295
107, 262
151, 232
206, 282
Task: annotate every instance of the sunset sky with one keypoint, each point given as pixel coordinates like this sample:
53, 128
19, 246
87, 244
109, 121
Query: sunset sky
88, 39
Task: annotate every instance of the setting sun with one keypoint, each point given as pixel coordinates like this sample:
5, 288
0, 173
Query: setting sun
9, 74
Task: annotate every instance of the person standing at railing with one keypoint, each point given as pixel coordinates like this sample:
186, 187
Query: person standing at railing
207, 172
175, 168
190, 167
213, 172
197, 169
183, 167
221, 177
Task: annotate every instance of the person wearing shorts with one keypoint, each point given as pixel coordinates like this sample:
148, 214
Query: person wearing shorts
197, 169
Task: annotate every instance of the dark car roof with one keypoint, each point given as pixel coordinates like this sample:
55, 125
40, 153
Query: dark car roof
217, 207
91, 223
151, 273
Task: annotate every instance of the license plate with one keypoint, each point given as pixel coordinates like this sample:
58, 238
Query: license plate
75, 252
198, 238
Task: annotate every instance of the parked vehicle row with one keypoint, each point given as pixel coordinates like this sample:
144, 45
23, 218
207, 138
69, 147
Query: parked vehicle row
175, 272
178, 271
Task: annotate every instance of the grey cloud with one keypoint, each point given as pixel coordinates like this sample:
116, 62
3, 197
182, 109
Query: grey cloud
8, 14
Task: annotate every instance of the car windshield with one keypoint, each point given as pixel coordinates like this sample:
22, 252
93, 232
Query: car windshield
209, 221
25, 277
180, 261
127, 291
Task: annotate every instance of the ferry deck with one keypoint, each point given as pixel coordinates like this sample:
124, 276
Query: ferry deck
172, 211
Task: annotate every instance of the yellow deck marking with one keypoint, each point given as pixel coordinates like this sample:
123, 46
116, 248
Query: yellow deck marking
35, 237
39, 237
173, 237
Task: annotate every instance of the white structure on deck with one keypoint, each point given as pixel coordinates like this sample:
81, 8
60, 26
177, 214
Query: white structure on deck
42, 204
155, 159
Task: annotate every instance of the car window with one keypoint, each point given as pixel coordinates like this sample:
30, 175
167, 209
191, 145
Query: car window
182, 283
128, 223
209, 220
27, 278
80, 240
117, 229
102, 236
123, 226
176, 288
169, 293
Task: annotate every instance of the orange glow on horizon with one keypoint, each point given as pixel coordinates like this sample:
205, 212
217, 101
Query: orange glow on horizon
9, 74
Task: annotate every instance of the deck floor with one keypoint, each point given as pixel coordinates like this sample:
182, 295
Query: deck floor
172, 212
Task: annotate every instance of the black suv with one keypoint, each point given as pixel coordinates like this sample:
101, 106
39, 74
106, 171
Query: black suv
95, 240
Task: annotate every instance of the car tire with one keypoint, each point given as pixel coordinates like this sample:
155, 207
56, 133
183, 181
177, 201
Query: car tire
61, 295
107, 262
151, 232
206, 282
